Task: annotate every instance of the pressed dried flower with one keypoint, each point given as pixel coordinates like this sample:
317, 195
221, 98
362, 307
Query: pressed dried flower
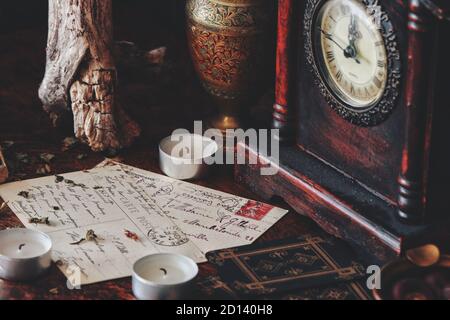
131, 235
90, 236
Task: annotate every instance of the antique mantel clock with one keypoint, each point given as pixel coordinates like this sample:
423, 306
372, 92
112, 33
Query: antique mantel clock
361, 98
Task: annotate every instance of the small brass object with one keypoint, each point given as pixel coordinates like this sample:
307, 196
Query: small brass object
424, 256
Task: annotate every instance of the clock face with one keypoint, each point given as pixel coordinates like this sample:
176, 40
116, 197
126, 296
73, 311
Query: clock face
350, 53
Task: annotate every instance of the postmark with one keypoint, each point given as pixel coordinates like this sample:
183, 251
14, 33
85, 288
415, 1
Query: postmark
170, 236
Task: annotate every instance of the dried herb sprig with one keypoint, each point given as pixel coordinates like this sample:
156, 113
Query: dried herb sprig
47, 157
90, 236
44, 169
68, 143
24, 194
44, 220
54, 291
74, 184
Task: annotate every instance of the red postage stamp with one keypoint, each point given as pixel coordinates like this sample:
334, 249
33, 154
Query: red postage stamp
254, 210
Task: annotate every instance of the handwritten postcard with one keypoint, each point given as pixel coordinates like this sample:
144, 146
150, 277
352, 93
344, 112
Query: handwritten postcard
163, 214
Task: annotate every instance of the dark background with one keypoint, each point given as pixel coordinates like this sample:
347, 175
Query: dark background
159, 17
146, 97
173, 99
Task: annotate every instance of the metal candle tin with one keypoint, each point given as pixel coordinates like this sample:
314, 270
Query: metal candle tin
24, 254
163, 276
186, 156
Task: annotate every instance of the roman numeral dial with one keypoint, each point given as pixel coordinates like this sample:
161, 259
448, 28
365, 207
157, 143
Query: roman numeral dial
350, 53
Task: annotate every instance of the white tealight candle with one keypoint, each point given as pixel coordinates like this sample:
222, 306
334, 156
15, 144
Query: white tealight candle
186, 156
24, 254
163, 276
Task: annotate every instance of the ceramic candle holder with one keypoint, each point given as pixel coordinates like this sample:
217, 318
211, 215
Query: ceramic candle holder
24, 254
185, 156
163, 276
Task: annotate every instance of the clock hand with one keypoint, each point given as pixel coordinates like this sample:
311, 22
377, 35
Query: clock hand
353, 35
348, 52
352, 32
330, 37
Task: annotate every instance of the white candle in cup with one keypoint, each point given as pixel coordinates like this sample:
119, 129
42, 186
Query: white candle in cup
24, 254
186, 156
163, 276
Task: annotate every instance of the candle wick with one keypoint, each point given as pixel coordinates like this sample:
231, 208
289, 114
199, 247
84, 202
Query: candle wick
164, 270
21, 246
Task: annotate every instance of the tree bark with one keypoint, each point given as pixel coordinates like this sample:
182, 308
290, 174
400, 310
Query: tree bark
81, 74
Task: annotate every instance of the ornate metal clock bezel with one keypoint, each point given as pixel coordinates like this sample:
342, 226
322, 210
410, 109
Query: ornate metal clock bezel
381, 110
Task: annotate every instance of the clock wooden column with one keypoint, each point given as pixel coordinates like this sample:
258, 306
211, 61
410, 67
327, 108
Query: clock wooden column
416, 150
283, 115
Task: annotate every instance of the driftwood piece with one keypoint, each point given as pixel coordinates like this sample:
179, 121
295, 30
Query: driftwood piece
3, 168
81, 74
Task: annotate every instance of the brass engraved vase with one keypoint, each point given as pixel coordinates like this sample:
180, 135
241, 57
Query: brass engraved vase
231, 46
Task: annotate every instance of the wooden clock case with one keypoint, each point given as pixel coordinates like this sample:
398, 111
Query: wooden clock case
384, 187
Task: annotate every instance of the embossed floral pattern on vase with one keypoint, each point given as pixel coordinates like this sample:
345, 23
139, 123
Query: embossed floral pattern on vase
229, 15
227, 43
220, 58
